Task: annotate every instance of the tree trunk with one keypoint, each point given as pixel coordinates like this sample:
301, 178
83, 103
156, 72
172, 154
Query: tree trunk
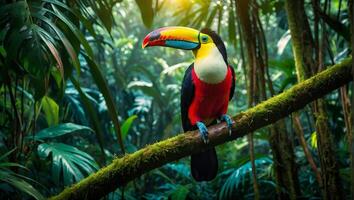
285, 170
305, 67
122, 170
284, 163
243, 9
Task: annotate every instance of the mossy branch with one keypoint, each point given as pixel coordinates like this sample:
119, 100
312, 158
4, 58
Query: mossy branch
122, 170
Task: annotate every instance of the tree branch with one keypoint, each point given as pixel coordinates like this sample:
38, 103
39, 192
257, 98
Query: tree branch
122, 170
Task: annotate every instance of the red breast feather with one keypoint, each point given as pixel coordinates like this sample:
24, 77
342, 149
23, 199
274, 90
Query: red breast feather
210, 100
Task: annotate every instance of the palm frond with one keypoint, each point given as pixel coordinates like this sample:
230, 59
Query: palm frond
68, 161
238, 176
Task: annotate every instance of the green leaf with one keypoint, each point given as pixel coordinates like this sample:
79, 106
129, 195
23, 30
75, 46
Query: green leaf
147, 12
103, 87
239, 175
14, 41
59, 130
72, 27
35, 61
20, 184
180, 193
148, 89
67, 161
314, 140
40, 87
211, 17
220, 14
283, 41
104, 13
55, 53
173, 70
126, 125
10, 164
58, 78
7, 154
51, 110
68, 46
3, 52
232, 26
285, 65
15, 179
15, 13
199, 19
85, 22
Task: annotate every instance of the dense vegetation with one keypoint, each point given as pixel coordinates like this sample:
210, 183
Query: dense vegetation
77, 91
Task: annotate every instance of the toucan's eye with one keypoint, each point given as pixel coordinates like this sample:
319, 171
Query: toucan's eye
204, 38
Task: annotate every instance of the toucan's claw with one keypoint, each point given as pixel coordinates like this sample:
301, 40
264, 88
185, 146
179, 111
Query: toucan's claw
228, 121
203, 132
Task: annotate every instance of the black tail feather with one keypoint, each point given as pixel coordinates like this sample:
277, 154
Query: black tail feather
204, 165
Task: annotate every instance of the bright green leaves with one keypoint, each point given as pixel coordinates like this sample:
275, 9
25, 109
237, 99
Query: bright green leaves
45, 39
40, 46
147, 12
51, 110
314, 140
31, 43
40, 35
59, 130
126, 125
180, 192
67, 161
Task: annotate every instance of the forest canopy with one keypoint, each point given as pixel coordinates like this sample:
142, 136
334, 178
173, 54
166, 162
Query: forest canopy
84, 107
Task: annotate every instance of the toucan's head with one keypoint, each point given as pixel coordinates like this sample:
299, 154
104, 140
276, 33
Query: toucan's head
201, 42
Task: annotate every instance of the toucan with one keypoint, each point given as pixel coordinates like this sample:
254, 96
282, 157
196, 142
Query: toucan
208, 86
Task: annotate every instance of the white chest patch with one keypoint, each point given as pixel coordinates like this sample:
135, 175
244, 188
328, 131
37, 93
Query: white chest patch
211, 69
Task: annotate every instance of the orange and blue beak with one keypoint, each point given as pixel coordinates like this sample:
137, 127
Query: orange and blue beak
175, 36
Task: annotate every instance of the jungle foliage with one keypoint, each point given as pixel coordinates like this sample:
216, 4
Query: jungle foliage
77, 91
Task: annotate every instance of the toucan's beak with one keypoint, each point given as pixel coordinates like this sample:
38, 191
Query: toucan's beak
178, 37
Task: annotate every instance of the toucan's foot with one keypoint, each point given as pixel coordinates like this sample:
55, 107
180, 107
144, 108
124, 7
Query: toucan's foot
228, 121
203, 132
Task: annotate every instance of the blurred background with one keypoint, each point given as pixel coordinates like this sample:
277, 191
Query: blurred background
77, 90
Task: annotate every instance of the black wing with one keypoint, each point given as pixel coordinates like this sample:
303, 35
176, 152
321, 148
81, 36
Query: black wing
232, 89
187, 95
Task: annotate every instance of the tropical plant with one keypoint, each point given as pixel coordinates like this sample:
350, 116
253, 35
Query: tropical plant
16, 180
77, 91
